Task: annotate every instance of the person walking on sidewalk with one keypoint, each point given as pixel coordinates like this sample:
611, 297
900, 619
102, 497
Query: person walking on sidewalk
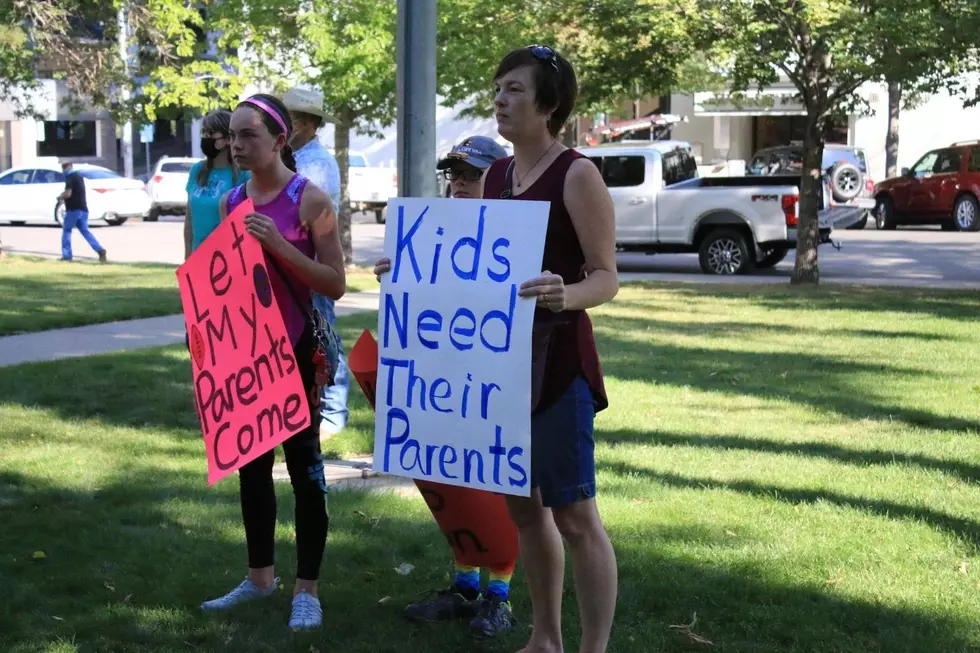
297, 227
314, 162
489, 611
210, 179
76, 213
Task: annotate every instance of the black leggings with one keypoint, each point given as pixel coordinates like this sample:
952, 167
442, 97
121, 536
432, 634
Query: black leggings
258, 494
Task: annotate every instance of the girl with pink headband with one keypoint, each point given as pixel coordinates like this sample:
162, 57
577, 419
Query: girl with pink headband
297, 226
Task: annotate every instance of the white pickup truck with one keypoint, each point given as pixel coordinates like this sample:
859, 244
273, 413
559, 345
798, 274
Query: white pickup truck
734, 224
370, 187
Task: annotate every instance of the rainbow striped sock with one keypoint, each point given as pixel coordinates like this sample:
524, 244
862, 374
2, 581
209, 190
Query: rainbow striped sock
499, 584
467, 581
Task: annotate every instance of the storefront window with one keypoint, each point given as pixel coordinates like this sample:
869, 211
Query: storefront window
773, 131
68, 138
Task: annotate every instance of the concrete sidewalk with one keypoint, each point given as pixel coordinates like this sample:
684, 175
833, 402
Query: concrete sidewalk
355, 474
122, 336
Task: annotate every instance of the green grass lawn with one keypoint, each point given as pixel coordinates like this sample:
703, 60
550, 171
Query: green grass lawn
799, 468
38, 294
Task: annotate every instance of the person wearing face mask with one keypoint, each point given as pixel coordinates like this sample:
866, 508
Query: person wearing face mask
208, 180
315, 162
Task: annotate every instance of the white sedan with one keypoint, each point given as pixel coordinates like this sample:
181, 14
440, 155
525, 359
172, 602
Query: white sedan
29, 194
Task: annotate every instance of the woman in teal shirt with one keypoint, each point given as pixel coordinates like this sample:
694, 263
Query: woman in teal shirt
210, 179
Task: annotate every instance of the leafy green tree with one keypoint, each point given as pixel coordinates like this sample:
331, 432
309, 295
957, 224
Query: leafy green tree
78, 41
346, 49
829, 49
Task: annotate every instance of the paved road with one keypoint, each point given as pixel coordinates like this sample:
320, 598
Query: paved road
905, 256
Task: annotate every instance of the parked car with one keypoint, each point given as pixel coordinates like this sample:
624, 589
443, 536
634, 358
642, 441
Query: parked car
845, 171
943, 187
168, 187
30, 194
733, 224
370, 187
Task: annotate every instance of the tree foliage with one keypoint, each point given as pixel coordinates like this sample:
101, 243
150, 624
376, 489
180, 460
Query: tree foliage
168, 63
829, 49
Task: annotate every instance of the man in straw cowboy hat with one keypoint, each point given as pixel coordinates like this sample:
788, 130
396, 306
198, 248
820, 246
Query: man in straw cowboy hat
314, 162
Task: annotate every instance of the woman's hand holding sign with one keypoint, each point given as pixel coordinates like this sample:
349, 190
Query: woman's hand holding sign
549, 289
383, 265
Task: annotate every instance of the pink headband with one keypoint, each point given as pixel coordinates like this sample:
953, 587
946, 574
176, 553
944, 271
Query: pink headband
272, 112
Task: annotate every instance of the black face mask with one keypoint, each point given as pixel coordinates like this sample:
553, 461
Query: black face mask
209, 148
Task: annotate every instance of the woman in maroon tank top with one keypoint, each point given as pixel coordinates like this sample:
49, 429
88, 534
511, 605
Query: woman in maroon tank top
535, 93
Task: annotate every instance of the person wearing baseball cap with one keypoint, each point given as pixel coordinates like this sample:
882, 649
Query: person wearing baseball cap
315, 162
488, 611
465, 164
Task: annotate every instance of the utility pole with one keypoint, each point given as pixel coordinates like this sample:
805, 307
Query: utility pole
416, 86
126, 135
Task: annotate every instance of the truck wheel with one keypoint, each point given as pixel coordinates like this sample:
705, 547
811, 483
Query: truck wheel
153, 215
860, 224
967, 213
381, 215
772, 258
885, 213
726, 251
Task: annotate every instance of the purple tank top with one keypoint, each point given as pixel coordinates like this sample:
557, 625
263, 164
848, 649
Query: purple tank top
284, 211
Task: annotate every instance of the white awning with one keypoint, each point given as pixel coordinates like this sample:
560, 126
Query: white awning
44, 99
768, 102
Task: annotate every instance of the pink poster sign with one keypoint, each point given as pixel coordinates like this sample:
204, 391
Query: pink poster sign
247, 384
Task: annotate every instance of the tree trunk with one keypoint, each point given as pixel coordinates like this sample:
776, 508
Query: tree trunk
891, 138
341, 141
806, 269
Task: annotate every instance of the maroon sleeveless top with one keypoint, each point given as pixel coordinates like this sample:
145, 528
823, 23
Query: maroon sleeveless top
573, 350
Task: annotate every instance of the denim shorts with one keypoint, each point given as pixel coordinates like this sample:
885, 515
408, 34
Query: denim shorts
563, 448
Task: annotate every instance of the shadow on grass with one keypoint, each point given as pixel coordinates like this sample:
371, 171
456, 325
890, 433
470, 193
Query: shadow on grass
965, 529
965, 471
150, 388
809, 379
127, 565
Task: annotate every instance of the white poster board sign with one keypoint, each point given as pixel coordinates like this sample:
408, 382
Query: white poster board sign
454, 338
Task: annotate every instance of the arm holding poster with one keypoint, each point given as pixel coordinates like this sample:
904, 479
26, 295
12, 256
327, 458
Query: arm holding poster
326, 274
593, 217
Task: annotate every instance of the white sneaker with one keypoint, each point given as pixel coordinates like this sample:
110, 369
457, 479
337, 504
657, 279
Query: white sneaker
307, 613
247, 591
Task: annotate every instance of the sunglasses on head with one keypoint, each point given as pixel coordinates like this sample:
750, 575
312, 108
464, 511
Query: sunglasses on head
546, 54
467, 173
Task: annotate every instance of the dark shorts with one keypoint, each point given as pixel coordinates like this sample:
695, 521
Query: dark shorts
563, 448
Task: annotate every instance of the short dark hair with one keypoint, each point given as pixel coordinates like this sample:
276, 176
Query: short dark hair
309, 117
554, 90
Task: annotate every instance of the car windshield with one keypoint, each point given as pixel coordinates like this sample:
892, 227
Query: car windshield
855, 157
357, 161
95, 173
176, 166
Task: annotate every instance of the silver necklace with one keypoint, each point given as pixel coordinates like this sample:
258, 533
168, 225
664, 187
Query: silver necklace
546, 152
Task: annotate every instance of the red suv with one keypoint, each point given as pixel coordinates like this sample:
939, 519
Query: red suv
943, 188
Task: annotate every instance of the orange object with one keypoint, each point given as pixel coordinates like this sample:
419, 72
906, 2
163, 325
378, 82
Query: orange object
475, 523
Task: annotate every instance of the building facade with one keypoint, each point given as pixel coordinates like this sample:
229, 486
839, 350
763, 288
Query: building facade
724, 134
